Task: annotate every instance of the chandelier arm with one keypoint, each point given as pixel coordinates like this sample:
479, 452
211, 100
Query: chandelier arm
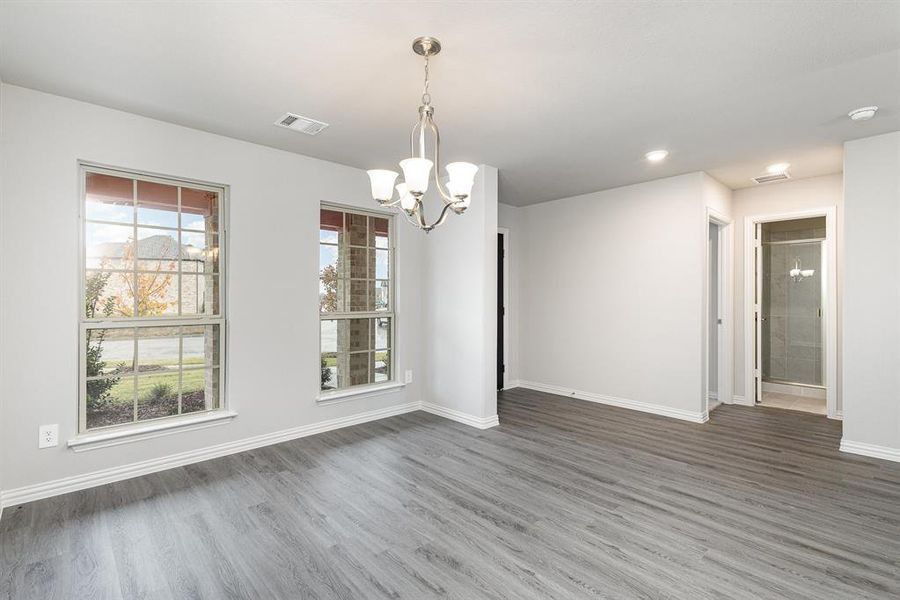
440, 219
448, 199
419, 212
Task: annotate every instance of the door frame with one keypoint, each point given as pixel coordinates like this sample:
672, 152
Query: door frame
725, 302
751, 390
505, 232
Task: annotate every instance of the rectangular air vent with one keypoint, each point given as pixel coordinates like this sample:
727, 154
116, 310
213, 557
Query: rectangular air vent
301, 124
771, 178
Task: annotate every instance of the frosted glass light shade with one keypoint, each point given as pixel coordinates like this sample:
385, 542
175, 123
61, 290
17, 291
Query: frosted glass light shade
416, 172
407, 202
382, 184
462, 178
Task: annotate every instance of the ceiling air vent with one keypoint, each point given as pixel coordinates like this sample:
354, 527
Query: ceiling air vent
301, 124
769, 178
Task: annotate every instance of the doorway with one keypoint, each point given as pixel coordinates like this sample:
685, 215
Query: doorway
717, 337
792, 322
502, 236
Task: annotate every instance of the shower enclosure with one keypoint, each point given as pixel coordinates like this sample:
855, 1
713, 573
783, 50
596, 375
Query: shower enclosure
793, 295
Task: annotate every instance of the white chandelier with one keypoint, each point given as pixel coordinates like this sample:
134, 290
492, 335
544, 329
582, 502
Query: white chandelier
418, 168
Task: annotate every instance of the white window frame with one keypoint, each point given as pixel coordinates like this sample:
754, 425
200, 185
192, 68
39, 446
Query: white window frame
390, 313
157, 321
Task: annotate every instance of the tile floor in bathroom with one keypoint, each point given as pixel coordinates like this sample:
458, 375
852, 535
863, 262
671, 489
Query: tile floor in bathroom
792, 402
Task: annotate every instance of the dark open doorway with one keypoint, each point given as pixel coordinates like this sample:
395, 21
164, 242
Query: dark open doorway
501, 310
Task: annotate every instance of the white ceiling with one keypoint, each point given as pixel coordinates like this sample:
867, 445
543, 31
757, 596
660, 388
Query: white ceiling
564, 98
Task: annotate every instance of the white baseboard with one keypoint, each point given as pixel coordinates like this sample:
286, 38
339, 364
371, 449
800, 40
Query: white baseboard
513, 383
882, 452
656, 409
712, 396
713, 405
742, 401
79, 482
455, 415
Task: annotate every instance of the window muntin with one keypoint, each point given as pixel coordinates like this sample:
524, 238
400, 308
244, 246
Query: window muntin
355, 298
152, 323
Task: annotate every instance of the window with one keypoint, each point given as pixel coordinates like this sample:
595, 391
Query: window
152, 324
356, 304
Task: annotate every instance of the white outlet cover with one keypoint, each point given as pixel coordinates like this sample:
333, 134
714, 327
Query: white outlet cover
48, 436
409, 376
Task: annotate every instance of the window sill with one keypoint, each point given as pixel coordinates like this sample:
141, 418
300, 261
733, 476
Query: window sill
362, 391
94, 441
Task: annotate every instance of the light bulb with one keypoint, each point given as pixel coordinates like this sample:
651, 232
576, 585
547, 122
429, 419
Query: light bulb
382, 184
416, 172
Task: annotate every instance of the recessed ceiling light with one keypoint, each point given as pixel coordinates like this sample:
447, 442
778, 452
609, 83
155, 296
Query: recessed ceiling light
777, 168
656, 155
863, 114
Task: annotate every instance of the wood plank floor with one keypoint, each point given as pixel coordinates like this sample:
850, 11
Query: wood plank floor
565, 499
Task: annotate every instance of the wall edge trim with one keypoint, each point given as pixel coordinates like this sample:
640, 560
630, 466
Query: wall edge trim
74, 483
656, 409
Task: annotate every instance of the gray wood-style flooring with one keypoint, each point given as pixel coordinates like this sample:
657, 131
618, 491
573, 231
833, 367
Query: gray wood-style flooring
565, 499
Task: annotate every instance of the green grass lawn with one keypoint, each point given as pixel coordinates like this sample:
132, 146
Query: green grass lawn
193, 380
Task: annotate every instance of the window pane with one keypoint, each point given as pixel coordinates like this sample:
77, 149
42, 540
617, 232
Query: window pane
382, 333
201, 248
332, 292
328, 339
355, 351
109, 352
200, 345
158, 349
109, 198
157, 204
382, 290
199, 210
108, 295
358, 268
156, 293
200, 390
109, 402
362, 295
382, 366
378, 232
157, 250
360, 368
357, 228
331, 223
381, 264
358, 334
108, 246
200, 294
157, 395
329, 371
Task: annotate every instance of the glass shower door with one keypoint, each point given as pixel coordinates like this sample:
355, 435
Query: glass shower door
792, 302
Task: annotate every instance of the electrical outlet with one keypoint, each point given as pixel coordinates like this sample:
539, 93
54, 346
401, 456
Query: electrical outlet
409, 376
48, 436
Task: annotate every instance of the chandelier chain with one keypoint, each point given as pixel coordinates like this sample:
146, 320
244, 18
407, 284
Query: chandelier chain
426, 97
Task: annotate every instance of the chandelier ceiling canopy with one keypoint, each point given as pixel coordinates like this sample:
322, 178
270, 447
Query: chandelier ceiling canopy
419, 168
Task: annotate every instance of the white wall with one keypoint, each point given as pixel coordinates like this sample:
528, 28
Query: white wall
461, 300
2, 279
273, 368
871, 304
612, 293
800, 194
509, 217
